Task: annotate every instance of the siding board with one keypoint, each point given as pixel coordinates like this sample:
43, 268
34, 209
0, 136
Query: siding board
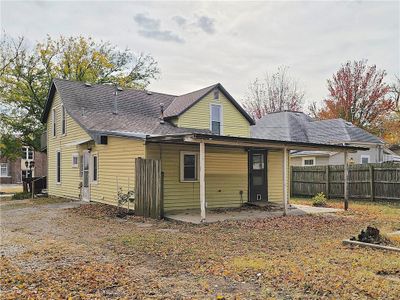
226, 176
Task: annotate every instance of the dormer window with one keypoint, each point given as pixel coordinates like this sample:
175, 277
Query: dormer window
216, 94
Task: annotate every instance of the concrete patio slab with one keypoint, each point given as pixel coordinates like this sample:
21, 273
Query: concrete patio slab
247, 214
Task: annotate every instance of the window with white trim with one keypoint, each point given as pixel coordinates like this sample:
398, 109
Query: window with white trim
4, 170
58, 166
27, 153
216, 119
75, 160
364, 159
95, 162
26, 174
308, 161
63, 120
189, 166
53, 122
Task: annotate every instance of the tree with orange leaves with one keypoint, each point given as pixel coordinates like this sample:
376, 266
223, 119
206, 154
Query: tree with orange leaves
358, 94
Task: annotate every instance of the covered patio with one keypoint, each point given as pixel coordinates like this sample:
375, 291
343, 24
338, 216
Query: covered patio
200, 141
214, 216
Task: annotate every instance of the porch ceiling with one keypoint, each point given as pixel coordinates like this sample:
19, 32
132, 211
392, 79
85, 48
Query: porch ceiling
249, 142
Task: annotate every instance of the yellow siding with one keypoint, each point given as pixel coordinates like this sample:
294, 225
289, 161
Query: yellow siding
275, 176
70, 179
224, 179
116, 163
198, 116
116, 159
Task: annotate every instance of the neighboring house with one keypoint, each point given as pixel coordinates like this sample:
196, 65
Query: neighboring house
13, 171
297, 126
203, 140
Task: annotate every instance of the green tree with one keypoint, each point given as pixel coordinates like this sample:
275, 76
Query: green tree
26, 74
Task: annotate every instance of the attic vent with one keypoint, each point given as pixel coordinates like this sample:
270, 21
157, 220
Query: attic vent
149, 93
348, 124
88, 84
119, 88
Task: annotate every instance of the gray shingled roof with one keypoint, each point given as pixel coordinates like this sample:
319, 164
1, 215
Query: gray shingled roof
93, 108
298, 127
182, 103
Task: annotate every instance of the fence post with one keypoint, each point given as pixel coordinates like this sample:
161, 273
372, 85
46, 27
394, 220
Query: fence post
327, 181
371, 182
346, 183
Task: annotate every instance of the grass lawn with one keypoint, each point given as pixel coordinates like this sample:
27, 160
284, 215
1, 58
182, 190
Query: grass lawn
60, 251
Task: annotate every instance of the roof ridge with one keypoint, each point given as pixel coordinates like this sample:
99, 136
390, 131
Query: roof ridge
109, 85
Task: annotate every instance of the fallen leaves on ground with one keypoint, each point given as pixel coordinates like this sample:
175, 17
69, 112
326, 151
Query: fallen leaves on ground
90, 253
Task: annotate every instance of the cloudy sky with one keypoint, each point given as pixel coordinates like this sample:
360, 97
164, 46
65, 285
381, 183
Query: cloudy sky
199, 43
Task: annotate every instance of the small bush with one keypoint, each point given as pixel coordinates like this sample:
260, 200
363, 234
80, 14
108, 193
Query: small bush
319, 200
21, 196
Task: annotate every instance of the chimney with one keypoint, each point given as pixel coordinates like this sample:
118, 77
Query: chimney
161, 113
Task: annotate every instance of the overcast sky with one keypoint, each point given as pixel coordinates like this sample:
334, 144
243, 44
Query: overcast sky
200, 43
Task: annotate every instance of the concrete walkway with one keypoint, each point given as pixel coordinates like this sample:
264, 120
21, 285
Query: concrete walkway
247, 214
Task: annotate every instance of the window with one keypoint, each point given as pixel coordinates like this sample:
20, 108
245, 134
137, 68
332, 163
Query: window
308, 161
95, 168
75, 160
27, 153
81, 166
4, 170
26, 174
53, 122
58, 166
188, 166
63, 121
258, 162
365, 159
216, 94
216, 119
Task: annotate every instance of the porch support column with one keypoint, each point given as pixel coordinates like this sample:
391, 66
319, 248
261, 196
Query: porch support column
202, 180
285, 178
346, 183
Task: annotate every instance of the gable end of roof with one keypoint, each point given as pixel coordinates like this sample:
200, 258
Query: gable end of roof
172, 111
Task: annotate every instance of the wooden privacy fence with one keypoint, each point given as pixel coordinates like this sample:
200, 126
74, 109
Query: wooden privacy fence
149, 188
367, 181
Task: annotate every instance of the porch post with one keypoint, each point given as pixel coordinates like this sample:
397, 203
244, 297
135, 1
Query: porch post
285, 177
202, 182
346, 188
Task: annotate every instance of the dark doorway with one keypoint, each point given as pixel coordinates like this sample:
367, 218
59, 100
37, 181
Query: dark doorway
258, 175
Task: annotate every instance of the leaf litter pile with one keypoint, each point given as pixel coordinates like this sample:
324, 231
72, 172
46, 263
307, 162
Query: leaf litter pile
87, 253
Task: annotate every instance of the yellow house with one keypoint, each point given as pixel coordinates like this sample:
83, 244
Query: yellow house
202, 139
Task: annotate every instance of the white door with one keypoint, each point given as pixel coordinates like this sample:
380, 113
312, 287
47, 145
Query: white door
85, 176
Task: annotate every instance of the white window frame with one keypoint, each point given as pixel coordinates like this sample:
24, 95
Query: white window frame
91, 168
196, 168
221, 116
53, 123
75, 155
365, 156
63, 120
308, 158
7, 170
58, 151
26, 153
